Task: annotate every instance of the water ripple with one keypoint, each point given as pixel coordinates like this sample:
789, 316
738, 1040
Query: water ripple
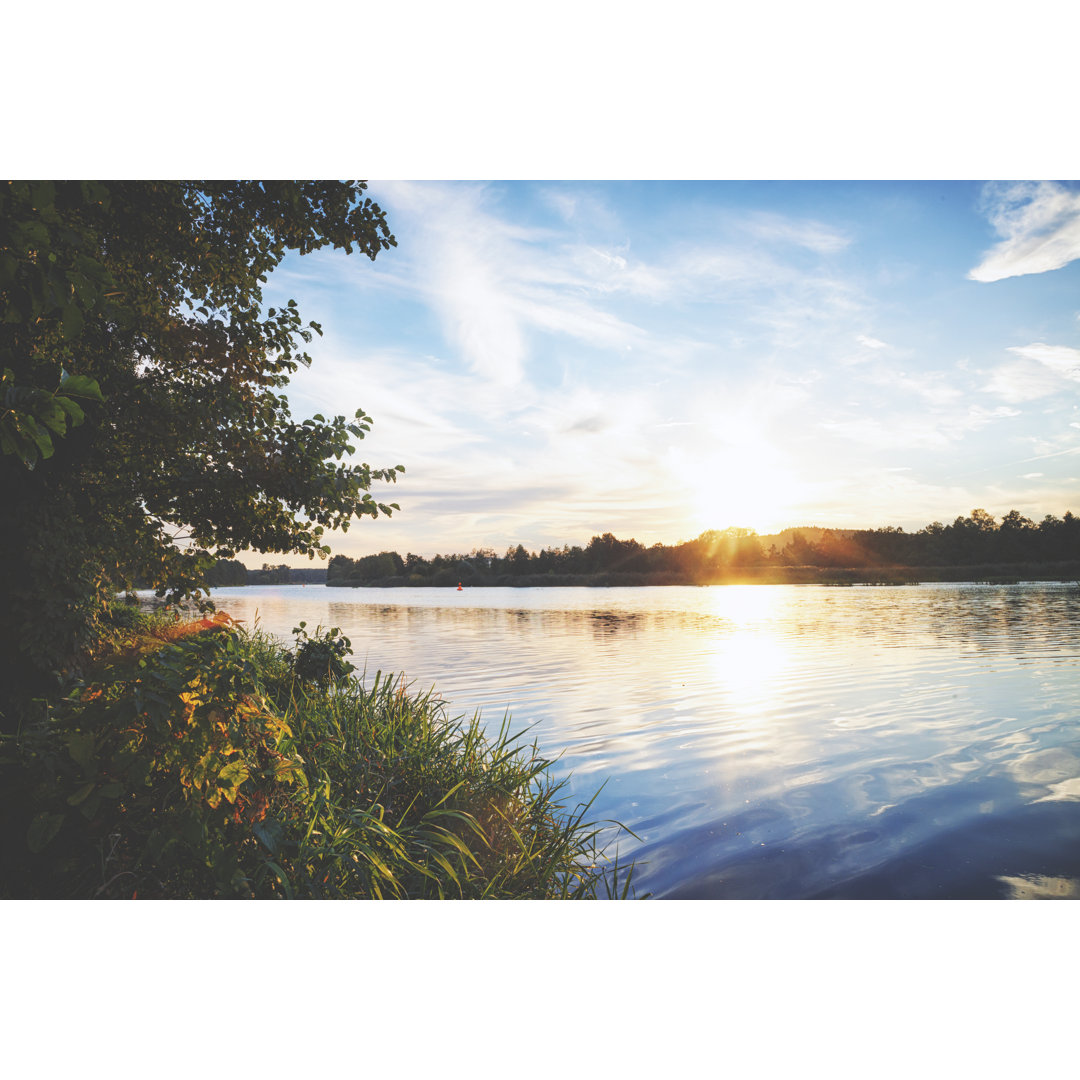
768, 741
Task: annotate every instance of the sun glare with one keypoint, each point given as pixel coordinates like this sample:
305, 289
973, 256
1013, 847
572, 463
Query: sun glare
741, 483
750, 671
761, 499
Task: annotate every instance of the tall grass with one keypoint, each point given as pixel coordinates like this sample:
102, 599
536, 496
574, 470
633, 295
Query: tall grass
406, 801
198, 763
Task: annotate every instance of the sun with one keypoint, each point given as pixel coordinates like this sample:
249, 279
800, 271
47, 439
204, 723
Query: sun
746, 496
741, 480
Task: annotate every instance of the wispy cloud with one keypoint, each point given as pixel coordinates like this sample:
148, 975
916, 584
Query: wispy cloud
776, 228
582, 208
1037, 371
933, 387
1040, 228
936, 429
492, 282
1059, 359
870, 342
546, 371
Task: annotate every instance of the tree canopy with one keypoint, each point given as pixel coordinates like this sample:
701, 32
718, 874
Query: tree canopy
143, 427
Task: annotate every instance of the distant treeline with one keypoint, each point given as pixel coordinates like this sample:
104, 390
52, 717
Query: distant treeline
971, 548
232, 572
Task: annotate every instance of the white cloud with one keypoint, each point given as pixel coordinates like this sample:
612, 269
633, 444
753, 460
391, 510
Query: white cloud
564, 203
1038, 370
775, 228
492, 282
583, 208
726, 265
580, 320
870, 342
1058, 358
931, 386
899, 431
1021, 381
612, 271
1040, 227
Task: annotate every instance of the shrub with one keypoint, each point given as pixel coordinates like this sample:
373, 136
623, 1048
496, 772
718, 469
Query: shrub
321, 659
208, 767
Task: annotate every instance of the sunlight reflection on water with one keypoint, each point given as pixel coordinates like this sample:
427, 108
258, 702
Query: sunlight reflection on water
767, 741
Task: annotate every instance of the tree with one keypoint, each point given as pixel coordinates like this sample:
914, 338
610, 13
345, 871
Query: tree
517, 560
1015, 538
226, 572
972, 538
143, 427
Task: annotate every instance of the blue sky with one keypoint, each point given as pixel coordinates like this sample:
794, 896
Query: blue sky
554, 360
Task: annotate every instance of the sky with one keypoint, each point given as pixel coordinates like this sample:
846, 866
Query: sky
554, 360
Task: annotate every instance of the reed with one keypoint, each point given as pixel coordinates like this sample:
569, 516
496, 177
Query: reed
409, 801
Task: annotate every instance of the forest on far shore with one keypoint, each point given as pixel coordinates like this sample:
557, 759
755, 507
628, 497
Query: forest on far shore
976, 547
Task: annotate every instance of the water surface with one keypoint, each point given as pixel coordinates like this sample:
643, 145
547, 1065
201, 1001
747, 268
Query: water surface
768, 741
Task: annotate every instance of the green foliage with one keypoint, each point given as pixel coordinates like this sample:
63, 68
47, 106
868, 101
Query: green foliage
31, 417
142, 421
321, 659
206, 768
226, 572
152, 776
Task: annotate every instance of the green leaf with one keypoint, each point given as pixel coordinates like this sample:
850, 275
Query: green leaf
288, 772
77, 797
53, 417
42, 829
81, 386
283, 881
80, 745
41, 439
230, 778
73, 410
270, 832
71, 322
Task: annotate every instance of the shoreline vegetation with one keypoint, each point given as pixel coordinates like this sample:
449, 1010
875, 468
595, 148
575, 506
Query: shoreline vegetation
198, 760
973, 548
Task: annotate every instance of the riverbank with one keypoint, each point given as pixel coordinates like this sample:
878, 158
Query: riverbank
197, 760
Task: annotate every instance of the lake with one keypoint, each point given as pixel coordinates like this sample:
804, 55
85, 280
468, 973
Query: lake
767, 741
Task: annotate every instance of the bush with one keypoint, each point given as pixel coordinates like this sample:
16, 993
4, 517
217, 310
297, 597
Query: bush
207, 767
321, 659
